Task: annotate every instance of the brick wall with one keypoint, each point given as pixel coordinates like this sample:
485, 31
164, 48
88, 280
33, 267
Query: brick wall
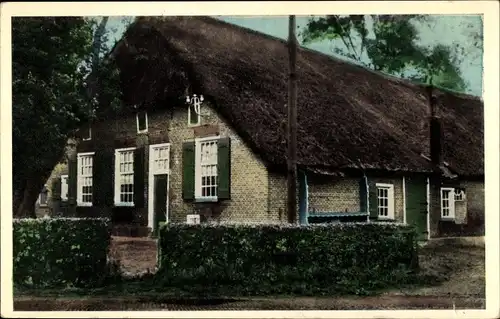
334, 195
277, 198
326, 194
249, 177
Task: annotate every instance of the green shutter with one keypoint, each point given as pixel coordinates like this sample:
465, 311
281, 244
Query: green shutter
188, 159
224, 168
362, 195
373, 202
139, 177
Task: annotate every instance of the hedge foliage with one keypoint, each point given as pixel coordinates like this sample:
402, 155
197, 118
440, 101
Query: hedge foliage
53, 252
275, 259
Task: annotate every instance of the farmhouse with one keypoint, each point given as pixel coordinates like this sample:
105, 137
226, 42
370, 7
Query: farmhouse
370, 146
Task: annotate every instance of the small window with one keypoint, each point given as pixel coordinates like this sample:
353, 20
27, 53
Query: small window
85, 162
142, 122
193, 117
385, 201
124, 177
206, 169
87, 133
64, 187
459, 195
447, 203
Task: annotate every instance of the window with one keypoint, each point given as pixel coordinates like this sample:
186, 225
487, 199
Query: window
142, 122
159, 159
84, 179
459, 195
87, 133
124, 177
64, 187
385, 201
206, 169
447, 203
193, 117
42, 198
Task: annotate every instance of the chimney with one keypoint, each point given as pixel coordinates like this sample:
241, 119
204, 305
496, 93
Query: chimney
436, 129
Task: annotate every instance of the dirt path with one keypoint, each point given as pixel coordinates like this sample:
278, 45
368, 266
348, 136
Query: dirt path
135, 255
299, 303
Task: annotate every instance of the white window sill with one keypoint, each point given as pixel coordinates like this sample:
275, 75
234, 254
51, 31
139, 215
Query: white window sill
43, 205
448, 218
84, 204
205, 199
142, 132
86, 139
385, 218
124, 204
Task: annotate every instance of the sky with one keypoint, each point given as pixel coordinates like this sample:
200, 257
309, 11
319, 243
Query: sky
445, 29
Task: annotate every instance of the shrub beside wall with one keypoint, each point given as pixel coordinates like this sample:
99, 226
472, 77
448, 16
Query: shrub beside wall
52, 252
264, 259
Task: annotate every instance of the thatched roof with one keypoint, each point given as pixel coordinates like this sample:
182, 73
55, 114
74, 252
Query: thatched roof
348, 117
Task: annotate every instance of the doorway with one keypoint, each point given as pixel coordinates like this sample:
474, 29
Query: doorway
416, 205
159, 185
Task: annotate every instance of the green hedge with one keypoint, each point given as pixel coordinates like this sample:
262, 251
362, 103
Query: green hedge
53, 252
275, 259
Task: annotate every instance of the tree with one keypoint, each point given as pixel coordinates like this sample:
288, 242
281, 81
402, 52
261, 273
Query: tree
52, 58
390, 44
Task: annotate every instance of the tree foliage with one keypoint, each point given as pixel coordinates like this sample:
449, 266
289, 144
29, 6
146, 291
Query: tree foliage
390, 44
54, 62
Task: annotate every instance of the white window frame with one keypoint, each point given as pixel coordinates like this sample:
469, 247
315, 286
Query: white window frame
189, 117
390, 200
146, 120
90, 134
117, 200
451, 202
460, 196
64, 187
79, 183
198, 169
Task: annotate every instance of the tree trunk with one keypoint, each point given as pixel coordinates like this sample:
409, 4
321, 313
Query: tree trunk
26, 206
26, 191
292, 124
